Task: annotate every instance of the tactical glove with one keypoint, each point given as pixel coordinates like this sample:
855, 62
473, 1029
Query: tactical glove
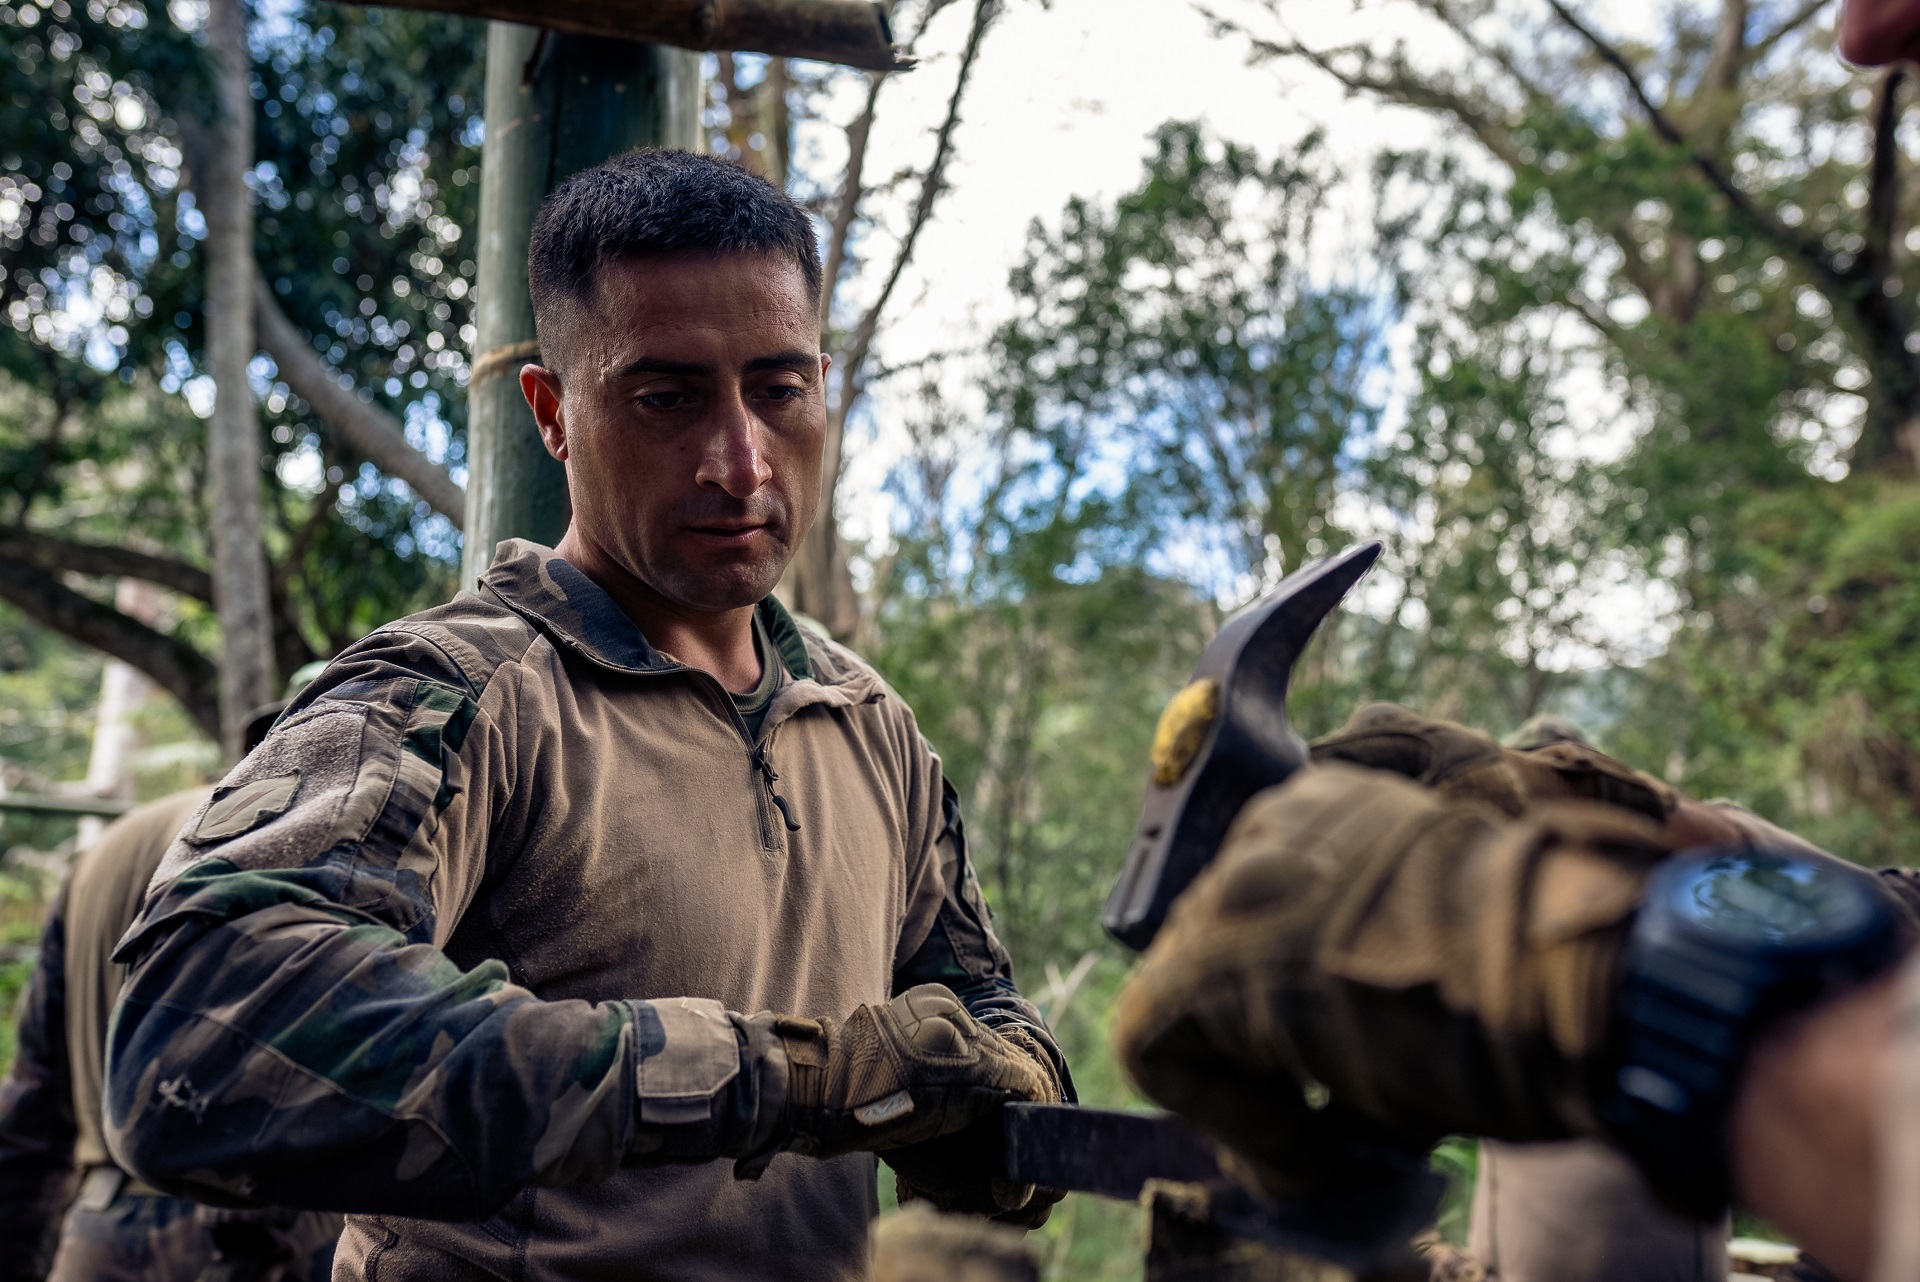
909, 1070
959, 1173
1460, 762
1367, 959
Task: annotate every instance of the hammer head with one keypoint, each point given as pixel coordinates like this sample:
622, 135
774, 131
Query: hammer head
1222, 739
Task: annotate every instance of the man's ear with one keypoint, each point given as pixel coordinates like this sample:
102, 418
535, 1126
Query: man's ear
541, 387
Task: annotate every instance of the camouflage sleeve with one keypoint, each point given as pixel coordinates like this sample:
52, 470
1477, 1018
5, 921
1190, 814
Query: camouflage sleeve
961, 950
291, 1034
36, 1112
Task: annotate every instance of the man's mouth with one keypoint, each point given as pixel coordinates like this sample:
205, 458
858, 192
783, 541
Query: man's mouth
729, 533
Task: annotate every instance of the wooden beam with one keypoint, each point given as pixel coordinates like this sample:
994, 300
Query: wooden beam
852, 32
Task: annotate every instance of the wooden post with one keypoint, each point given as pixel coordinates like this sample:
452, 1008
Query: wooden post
556, 104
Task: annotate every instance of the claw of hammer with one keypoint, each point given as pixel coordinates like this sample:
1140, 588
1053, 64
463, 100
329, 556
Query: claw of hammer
1222, 739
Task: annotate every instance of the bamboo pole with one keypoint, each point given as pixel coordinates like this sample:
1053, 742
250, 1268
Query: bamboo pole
556, 104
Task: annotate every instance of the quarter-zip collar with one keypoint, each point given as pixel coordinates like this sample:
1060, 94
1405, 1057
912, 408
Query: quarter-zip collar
577, 614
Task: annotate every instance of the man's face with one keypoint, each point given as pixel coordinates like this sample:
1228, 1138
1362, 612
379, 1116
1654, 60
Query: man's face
689, 408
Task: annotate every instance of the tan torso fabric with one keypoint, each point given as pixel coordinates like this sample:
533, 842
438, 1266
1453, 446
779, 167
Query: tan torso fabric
107, 884
1897, 1253
1579, 1212
614, 837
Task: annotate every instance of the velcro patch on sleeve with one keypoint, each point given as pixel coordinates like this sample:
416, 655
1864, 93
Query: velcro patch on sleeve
246, 806
688, 1052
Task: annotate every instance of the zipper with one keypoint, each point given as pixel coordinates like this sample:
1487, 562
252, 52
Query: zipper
772, 780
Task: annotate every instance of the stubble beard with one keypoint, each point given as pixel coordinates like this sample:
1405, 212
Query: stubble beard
728, 583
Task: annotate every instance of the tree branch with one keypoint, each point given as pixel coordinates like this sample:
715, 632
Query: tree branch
1618, 61
1788, 25
932, 183
45, 552
368, 429
1812, 254
852, 191
1396, 87
821, 582
173, 664
1499, 55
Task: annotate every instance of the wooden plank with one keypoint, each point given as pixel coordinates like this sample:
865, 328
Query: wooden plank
852, 32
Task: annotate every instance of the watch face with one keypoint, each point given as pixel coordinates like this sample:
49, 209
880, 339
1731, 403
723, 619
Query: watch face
1769, 898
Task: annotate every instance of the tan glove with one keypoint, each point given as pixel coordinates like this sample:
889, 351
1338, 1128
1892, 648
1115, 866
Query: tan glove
1460, 762
897, 1073
959, 1173
1429, 966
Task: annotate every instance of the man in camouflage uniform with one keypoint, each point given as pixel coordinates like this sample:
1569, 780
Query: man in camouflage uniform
51, 1137
604, 922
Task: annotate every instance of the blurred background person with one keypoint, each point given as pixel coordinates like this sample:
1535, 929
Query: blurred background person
66, 1211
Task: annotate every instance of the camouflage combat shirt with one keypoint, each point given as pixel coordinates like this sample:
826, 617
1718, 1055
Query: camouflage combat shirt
468, 927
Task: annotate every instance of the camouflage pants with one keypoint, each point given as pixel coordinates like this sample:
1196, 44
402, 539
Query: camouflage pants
136, 1238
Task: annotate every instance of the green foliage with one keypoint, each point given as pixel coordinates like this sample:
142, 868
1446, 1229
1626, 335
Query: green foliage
367, 180
1459, 1160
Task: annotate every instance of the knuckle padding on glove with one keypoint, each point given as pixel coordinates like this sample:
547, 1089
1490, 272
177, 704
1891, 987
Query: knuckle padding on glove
958, 1172
1462, 762
1425, 958
901, 1071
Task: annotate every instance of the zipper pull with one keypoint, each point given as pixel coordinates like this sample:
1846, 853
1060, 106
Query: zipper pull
793, 825
780, 802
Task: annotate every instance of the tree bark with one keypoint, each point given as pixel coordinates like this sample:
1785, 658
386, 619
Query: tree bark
176, 666
233, 432
366, 429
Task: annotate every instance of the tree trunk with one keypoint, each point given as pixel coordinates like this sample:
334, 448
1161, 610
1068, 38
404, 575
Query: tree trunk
123, 688
233, 433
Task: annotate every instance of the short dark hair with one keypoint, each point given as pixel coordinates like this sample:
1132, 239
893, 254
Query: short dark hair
658, 201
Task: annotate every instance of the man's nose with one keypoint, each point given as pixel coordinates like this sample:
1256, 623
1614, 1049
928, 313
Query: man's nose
733, 458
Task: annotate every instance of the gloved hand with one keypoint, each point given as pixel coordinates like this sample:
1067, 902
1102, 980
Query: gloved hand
916, 1067
1428, 966
959, 1173
1460, 762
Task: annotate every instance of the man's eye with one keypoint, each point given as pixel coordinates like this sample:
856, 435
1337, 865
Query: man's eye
663, 400
784, 392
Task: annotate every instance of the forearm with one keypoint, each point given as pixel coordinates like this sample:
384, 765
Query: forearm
1806, 1127
291, 1058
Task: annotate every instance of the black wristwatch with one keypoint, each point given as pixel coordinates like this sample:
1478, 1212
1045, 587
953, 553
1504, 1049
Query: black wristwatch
1727, 941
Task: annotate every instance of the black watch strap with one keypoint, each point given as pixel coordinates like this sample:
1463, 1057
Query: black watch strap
1681, 1031
1726, 943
